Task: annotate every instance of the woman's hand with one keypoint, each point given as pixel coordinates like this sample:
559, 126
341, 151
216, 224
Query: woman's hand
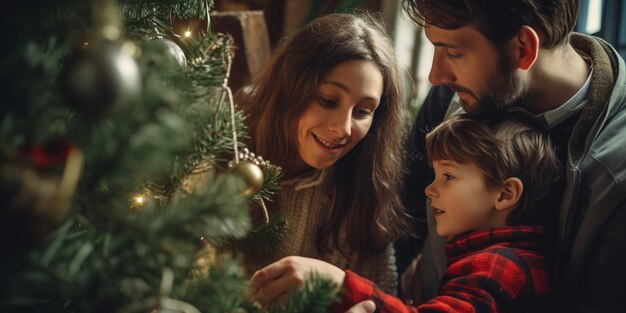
367, 306
276, 279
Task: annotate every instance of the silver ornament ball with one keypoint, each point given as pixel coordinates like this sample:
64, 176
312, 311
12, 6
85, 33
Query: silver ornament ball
101, 78
161, 50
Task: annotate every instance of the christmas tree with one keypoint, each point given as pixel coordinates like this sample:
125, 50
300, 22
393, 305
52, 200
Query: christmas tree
124, 175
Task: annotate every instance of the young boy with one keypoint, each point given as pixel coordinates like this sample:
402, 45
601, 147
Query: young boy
493, 54
490, 175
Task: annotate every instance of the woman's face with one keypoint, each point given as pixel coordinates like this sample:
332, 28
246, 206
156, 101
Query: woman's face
339, 115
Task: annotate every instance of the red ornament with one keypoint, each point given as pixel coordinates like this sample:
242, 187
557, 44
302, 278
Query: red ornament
49, 154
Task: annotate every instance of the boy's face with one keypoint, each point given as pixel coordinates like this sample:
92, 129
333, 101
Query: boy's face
461, 200
470, 64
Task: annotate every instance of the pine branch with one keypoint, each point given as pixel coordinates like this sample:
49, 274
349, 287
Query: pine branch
219, 291
260, 242
315, 297
39, 114
138, 9
122, 263
111, 254
270, 182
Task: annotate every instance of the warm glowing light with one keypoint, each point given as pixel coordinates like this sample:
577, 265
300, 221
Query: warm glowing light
139, 199
187, 34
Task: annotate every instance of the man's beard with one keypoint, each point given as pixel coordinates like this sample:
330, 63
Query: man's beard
505, 90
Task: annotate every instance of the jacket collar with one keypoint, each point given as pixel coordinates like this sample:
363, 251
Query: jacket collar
481, 239
605, 76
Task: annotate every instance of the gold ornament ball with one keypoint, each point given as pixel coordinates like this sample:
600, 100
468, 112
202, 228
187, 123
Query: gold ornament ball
251, 174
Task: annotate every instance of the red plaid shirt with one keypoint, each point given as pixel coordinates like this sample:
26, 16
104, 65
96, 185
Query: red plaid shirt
496, 270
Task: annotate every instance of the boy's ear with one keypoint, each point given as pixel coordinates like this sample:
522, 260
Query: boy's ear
523, 48
509, 194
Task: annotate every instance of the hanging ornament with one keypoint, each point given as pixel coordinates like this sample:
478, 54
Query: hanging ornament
248, 169
101, 78
252, 176
248, 166
161, 50
36, 187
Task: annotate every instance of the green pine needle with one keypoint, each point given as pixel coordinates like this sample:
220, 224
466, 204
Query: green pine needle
315, 297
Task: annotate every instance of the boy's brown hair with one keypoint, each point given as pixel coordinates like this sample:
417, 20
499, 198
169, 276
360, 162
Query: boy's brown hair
513, 144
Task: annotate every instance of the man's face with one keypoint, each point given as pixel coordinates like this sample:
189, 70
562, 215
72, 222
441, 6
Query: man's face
470, 64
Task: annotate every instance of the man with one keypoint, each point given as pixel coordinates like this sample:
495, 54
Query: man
490, 55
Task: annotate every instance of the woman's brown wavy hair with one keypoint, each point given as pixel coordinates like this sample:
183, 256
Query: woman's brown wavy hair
368, 177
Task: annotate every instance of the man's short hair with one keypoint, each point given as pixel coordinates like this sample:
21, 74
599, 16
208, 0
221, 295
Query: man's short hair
499, 20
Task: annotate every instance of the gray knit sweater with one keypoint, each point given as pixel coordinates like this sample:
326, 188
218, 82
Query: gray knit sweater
306, 201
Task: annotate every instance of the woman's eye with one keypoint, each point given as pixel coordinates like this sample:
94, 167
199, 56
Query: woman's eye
362, 113
325, 102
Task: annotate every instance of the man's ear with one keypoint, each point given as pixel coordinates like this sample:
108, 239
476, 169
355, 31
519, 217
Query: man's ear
523, 48
510, 194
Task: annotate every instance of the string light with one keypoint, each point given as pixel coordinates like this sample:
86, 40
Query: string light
139, 200
187, 34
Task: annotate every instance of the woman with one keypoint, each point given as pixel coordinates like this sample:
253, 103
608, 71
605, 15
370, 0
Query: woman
327, 109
